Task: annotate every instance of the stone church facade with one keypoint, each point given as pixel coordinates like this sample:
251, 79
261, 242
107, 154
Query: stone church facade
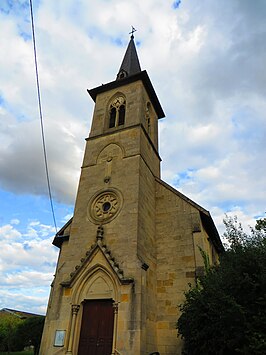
132, 246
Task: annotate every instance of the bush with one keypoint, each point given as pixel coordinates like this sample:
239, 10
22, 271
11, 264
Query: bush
225, 313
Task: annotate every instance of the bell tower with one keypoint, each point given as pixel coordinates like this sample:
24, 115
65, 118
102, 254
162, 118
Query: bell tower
112, 232
117, 190
127, 102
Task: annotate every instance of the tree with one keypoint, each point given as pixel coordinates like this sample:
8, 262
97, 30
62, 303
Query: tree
30, 332
8, 327
225, 313
17, 333
261, 225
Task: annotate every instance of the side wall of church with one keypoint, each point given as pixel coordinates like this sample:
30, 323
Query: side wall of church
178, 257
175, 264
202, 241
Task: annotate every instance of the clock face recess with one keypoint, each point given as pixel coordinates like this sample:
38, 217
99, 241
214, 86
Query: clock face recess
104, 206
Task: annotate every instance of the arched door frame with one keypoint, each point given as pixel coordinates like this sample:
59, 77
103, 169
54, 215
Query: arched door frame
81, 292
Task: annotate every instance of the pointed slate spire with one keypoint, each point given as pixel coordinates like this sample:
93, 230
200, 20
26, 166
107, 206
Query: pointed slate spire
130, 64
130, 72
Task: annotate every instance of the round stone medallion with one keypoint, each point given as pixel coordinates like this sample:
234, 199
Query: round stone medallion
104, 206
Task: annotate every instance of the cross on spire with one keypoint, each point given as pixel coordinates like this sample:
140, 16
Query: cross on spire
132, 31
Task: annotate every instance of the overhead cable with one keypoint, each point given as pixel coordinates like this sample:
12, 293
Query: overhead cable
41, 116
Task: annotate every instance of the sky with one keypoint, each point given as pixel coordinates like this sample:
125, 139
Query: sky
206, 60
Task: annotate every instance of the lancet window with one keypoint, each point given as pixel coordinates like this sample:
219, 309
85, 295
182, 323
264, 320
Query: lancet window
117, 111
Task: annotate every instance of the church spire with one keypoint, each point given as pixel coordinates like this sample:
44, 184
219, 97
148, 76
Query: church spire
130, 64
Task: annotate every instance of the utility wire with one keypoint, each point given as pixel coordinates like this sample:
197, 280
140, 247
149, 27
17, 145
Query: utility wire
41, 116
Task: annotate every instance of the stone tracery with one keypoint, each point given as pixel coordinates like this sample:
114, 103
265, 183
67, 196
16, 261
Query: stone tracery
117, 112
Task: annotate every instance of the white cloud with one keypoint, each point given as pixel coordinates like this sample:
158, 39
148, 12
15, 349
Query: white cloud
37, 254
201, 71
27, 266
18, 300
26, 279
207, 63
9, 232
36, 229
246, 221
66, 218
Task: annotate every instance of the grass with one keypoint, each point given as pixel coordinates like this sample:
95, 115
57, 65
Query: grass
18, 353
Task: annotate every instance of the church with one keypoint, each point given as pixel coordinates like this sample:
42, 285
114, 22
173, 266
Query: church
133, 244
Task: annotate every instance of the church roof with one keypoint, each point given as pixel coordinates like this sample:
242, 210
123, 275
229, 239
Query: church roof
63, 234
130, 64
143, 76
17, 313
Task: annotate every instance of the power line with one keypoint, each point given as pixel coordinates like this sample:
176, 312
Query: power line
41, 116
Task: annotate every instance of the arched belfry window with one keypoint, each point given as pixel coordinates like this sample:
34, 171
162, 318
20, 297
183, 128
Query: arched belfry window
117, 111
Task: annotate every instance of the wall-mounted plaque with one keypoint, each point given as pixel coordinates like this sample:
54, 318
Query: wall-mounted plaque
59, 338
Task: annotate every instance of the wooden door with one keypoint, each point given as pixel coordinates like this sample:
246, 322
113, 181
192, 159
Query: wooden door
96, 335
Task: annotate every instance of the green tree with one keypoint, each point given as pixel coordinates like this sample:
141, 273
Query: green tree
225, 313
30, 332
8, 327
261, 225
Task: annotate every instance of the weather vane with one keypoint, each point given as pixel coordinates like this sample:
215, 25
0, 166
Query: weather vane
132, 31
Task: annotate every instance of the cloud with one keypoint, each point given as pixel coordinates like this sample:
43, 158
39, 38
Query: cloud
15, 221
206, 60
9, 232
27, 279
216, 123
212, 66
27, 265
209, 73
37, 254
18, 300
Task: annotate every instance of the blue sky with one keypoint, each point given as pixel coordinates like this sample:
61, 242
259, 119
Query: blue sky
207, 64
